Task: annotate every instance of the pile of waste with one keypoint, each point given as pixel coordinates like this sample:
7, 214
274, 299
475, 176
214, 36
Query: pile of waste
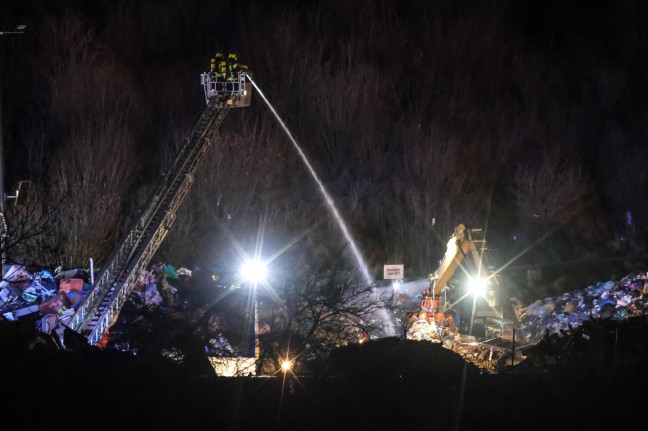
50, 301
40, 296
604, 300
551, 318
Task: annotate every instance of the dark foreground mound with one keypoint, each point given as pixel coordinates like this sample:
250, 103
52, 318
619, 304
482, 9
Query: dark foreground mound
395, 359
383, 384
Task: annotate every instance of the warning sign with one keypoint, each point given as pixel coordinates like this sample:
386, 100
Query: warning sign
393, 272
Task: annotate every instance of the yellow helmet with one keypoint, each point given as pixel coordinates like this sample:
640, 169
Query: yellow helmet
219, 54
233, 56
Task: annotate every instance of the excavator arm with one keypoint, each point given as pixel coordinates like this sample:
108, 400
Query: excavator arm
460, 245
455, 252
465, 242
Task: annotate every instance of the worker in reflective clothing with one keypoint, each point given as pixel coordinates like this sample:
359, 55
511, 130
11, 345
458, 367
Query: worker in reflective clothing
212, 67
234, 68
218, 73
221, 66
215, 74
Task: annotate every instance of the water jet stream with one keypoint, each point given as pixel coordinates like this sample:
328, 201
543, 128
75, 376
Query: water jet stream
329, 201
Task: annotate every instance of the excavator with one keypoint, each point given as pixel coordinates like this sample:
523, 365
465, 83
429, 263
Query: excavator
471, 317
444, 306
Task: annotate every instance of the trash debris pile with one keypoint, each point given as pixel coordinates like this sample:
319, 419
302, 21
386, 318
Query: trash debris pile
548, 321
161, 294
604, 300
427, 329
165, 294
48, 299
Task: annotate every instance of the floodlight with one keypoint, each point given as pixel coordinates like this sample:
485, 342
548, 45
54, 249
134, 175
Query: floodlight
477, 287
253, 270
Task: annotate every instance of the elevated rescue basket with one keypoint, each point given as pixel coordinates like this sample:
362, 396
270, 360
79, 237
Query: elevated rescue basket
237, 92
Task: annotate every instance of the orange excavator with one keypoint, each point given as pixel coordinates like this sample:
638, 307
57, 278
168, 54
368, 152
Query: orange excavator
481, 298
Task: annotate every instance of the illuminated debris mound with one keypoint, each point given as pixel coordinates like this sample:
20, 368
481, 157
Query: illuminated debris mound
428, 330
583, 323
165, 311
164, 305
424, 330
597, 347
553, 321
41, 297
394, 358
605, 300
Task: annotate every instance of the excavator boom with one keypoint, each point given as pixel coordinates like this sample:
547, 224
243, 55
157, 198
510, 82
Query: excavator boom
460, 245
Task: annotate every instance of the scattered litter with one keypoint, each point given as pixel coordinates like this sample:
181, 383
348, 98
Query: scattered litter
51, 301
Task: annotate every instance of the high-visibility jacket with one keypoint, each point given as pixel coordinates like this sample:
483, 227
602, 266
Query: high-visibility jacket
221, 68
234, 68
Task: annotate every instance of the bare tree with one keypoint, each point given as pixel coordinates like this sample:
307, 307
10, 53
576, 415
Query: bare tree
624, 184
322, 310
239, 182
87, 175
92, 98
550, 194
26, 232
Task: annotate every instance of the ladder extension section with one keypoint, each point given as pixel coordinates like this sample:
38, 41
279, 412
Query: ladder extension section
122, 269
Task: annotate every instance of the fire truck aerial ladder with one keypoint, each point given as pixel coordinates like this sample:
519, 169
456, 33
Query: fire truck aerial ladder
135, 250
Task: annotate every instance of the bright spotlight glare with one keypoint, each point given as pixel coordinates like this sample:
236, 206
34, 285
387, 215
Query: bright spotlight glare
253, 270
396, 284
286, 365
477, 287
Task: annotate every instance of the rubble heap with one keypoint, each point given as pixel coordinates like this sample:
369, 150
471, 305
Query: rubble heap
51, 300
161, 294
547, 321
604, 300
